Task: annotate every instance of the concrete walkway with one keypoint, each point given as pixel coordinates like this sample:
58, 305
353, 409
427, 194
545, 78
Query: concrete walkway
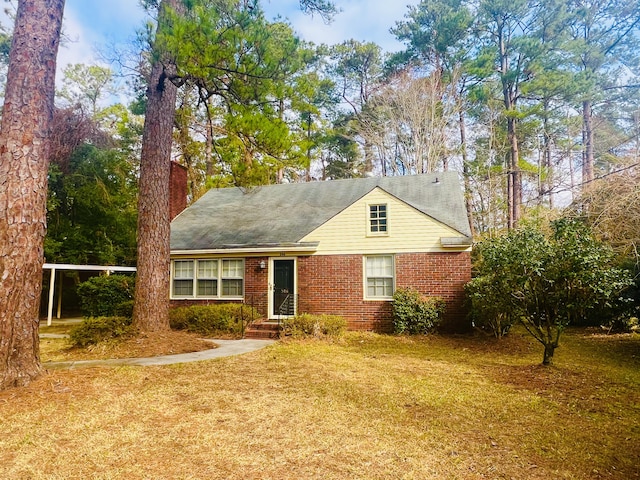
225, 348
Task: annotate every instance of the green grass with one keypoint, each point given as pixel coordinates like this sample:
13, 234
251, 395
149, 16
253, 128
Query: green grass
365, 407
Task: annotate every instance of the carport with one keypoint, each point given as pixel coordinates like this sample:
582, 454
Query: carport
62, 266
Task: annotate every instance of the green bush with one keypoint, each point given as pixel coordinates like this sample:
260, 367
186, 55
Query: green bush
94, 330
307, 325
486, 300
547, 279
102, 296
124, 309
226, 318
415, 314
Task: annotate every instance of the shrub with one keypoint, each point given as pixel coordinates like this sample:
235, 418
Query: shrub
624, 325
124, 309
226, 318
102, 296
414, 313
319, 326
486, 301
94, 330
547, 279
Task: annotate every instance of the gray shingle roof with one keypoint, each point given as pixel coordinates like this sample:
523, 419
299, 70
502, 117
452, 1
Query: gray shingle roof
286, 213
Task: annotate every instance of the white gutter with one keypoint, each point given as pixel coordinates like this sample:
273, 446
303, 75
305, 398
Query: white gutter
249, 250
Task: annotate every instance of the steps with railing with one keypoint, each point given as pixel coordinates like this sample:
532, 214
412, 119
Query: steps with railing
270, 329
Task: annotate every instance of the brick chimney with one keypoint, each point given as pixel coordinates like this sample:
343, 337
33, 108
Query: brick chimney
177, 189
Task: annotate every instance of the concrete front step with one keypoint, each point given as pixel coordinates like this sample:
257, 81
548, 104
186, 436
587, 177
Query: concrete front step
263, 330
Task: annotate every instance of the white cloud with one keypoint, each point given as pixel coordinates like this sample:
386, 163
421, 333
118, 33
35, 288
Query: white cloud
77, 44
362, 20
91, 26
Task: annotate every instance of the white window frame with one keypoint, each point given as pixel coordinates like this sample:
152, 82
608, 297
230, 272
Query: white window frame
184, 274
196, 273
199, 276
371, 220
378, 275
235, 275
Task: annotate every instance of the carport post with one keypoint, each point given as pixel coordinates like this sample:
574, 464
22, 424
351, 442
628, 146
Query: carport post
59, 311
52, 287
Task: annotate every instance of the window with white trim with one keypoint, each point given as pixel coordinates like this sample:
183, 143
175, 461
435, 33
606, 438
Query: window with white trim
379, 276
207, 278
378, 219
183, 278
232, 277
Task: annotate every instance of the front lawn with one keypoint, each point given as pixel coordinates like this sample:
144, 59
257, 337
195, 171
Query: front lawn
365, 407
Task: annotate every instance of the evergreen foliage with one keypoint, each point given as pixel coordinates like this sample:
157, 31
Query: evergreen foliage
319, 326
106, 295
91, 209
213, 320
94, 330
545, 280
414, 313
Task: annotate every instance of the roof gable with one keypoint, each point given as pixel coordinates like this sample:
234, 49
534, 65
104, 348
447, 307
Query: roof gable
408, 229
286, 213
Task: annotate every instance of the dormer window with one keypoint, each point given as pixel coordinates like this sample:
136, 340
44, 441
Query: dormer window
378, 217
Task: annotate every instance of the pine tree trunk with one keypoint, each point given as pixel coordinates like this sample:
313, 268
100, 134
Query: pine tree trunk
516, 174
151, 308
466, 173
587, 140
24, 161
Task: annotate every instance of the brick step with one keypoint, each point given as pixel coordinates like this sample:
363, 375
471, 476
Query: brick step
262, 330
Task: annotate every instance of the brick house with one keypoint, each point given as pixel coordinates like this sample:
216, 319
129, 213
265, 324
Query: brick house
337, 247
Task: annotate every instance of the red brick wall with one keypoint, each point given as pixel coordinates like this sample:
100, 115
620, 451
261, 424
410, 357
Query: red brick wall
256, 280
438, 274
334, 284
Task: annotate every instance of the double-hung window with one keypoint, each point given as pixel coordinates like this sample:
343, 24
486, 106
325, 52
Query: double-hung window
378, 219
183, 278
232, 276
207, 278
379, 276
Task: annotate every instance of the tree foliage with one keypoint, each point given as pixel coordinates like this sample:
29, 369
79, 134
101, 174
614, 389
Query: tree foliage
91, 209
253, 99
547, 90
545, 280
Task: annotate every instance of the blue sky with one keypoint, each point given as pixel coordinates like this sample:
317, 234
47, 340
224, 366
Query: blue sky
92, 25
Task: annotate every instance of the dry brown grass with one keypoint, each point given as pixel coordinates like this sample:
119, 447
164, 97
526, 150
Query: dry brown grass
366, 407
144, 345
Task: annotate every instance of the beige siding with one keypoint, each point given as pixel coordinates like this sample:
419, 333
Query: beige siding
408, 229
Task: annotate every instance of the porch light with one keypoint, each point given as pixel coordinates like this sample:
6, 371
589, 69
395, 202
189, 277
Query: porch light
263, 265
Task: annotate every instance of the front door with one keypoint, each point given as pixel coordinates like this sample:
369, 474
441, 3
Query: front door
284, 301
